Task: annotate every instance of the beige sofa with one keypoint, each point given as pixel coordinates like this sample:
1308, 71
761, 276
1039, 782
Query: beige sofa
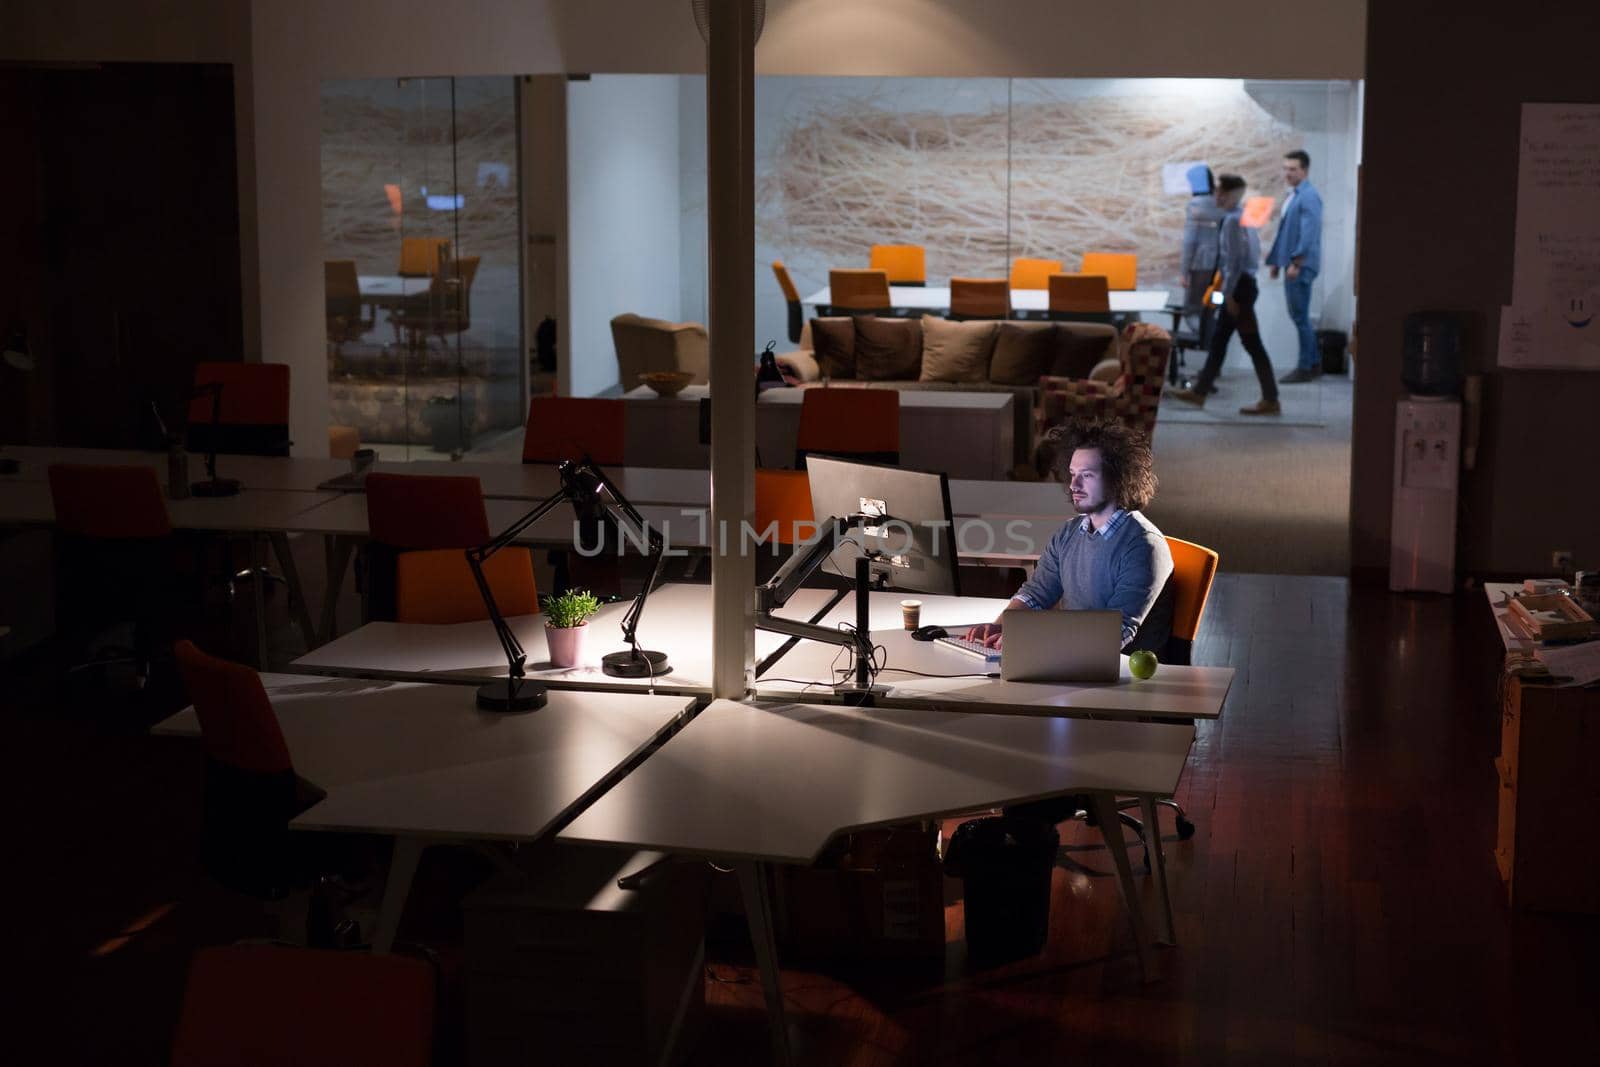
938, 354
644, 345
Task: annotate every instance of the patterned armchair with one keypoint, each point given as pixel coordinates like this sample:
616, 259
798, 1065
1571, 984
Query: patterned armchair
1132, 397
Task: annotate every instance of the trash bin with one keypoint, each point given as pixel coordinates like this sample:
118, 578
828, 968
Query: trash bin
1004, 864
1332, 345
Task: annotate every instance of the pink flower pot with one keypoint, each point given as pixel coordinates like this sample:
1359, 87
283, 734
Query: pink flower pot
566, 644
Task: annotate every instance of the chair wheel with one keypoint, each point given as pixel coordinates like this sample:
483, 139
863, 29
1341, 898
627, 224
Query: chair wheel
1185, 829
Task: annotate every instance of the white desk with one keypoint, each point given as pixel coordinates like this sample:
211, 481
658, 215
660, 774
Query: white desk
805, 672
937, 299
676, 620
758, 784
422, 763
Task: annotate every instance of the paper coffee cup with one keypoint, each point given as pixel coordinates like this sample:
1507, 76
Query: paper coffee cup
911, 613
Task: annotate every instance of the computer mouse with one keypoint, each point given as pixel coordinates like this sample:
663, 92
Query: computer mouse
929, 633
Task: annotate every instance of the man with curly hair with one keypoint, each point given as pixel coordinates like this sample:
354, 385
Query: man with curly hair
1108, 557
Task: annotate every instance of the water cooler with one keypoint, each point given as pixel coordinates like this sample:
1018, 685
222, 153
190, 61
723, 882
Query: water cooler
1427, 456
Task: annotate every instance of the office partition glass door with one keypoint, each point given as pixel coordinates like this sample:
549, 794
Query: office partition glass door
420, 225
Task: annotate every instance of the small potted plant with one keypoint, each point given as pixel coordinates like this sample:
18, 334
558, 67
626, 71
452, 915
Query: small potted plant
566, 616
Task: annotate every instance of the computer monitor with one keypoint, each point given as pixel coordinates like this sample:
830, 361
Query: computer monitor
915, 549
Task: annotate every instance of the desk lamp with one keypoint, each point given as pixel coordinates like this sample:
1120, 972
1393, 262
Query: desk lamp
584, 485
213, 486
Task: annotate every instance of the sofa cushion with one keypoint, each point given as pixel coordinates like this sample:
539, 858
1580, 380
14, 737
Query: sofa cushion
888, 348
833, 342
1023, 352
956, 351
1080, 346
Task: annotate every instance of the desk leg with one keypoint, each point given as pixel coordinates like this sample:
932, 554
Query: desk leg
754, 884
1158, 862
257, 584
297, 594
402, 868
1105, 813
336, 554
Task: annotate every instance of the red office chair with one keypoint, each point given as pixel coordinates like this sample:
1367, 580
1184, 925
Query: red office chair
569, 427
415, 511
274, 1006
252, 409
856, 424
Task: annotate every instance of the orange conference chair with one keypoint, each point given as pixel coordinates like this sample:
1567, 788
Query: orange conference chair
904, 264
1033, 273
252, 409
277, 1006
570, 427
1120, 268
410, 512
423, 257
791, 297
857, 292
1079, 298
784, 498
436, 585
858, 424
980, 298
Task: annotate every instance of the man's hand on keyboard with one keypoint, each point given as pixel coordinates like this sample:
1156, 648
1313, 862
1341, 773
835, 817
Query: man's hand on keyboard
986, 632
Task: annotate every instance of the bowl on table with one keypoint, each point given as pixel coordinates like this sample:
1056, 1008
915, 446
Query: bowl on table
667, 382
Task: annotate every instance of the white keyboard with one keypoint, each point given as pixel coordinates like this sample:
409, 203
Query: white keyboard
973, 648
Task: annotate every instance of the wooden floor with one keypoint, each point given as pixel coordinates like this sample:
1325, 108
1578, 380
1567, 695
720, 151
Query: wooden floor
1338, 904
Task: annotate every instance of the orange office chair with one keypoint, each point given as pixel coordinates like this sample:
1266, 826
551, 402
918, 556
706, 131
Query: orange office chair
277, 1006
980, 298
1079, 298
423, 257
1033, 273
569, 427
783, 498
408, 512
904, 264
436, 585
791, 297
1120, 268
115, 559
341, 288
252, 410
858, 424
857, 292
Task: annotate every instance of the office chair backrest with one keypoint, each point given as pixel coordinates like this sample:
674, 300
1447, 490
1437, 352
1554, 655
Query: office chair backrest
791, 297
1193, 568
784, 497
108, 502
980, 298
1079, 292
253, 417
861, 424
570, 427
1120, 268
1033, 273
237, 724
421, 257
437, 586
904, 264
279, 1006
409, 511
858, 290
341, 288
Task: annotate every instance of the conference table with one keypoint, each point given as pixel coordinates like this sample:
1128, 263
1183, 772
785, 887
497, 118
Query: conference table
936, 299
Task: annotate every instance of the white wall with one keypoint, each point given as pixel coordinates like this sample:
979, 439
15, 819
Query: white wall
623, 208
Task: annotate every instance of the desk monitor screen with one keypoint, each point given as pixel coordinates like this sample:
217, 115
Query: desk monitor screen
916, 549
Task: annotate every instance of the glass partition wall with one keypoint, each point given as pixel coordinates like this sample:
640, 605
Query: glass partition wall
420, 217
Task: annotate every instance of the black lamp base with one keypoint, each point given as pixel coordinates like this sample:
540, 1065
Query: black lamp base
216, 487
634, 664
512, 695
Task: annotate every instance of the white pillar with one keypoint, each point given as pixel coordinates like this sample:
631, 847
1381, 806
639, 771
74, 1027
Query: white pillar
730, 188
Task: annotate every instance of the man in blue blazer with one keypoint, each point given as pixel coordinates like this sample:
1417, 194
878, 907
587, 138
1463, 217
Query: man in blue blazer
1297, 251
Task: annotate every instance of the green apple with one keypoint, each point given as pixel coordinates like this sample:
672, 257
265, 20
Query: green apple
1142, 664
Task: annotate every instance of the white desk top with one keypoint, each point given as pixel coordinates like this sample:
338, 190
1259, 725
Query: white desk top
422, 759
265, 510
346, 513
676, 620
935, 298
777, 782
255, 472
1174, 693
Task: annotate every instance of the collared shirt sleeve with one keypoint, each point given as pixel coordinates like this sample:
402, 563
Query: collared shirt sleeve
1043, 591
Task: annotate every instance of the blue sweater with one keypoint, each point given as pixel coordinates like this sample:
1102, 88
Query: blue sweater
1122, 567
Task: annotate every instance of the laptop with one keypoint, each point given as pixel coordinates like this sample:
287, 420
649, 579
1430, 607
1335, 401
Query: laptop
1061, 646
